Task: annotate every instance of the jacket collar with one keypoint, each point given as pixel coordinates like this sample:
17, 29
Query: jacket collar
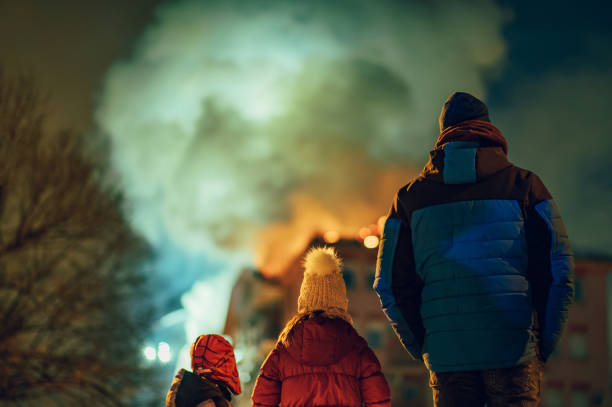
466, 153
462, 162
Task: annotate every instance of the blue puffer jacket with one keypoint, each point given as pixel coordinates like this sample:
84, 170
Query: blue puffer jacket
475, 270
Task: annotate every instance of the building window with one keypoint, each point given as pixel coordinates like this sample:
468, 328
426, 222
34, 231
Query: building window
371, 277
578, 345
578, 291
374, 338
580, 398
409, 393
597, 399
349, 278
552, 398
556, 353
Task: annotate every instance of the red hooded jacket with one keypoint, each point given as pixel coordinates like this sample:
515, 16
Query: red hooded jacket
326, 364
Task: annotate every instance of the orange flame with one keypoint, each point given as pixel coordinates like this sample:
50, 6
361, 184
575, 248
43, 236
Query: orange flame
342, 214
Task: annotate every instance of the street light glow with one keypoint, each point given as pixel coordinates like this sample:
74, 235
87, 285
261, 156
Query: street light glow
150, 353
371, 242
163, 352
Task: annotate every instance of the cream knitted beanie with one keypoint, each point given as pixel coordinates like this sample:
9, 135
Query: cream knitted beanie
323, 286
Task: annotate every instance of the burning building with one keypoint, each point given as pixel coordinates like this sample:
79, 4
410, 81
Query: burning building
406, 377
576, 375
578, 372
259, 308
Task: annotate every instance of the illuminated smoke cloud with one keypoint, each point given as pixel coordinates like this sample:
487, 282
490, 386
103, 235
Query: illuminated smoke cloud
235, 123
562, 131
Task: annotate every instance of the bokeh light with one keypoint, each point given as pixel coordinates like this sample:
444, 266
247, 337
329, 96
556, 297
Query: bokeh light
371, 242
331, 236
150, 353
163, 352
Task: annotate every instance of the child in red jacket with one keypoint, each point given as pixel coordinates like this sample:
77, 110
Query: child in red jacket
319, 359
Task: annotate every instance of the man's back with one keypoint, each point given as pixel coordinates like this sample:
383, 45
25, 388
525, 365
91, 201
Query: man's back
470, 251
475, 269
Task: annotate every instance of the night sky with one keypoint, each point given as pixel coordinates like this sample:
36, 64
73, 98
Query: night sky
67, 46
141, 70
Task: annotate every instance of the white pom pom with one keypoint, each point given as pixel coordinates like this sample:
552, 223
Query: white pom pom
322, 261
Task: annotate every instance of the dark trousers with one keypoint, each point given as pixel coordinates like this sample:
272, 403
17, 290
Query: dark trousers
512, 386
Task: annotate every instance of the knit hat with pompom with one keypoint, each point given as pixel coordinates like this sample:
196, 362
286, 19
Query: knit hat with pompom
323, 287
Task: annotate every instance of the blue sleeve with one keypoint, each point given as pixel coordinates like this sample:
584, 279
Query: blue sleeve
560, 262
398, 286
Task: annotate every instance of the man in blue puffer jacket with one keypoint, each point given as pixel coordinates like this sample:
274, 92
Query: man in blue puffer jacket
475, 270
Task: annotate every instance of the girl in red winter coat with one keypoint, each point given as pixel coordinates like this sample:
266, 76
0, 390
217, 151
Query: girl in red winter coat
319, 359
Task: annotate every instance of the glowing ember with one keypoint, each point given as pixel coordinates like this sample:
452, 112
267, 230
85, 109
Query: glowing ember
364, 232
371, 242
381, 223
331, 236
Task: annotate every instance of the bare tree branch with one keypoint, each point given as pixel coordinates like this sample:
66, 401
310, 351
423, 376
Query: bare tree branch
70, 269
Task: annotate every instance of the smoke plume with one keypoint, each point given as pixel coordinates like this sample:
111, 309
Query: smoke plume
559, 127
239, 128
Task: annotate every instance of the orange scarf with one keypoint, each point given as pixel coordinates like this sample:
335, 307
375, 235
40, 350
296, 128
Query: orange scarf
473, 130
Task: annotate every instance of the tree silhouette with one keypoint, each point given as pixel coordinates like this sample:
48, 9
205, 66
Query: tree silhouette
73, 309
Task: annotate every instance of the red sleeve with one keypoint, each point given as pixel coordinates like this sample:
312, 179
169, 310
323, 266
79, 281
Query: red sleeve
267, 390
374, 388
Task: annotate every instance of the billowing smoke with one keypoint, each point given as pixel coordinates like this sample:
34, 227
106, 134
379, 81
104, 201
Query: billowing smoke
559, 126
239, 128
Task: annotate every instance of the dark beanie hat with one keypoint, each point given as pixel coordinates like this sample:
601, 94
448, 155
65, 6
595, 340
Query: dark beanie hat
461, 106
